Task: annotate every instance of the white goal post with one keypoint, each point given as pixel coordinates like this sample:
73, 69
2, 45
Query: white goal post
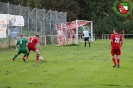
68, 33
91, 31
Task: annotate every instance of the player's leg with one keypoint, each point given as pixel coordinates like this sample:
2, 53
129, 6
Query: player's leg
25, 55
114, 61
28, 54
15, 56
29, 49
89, 42
118, 61
37, 55
85, 42
60, 40
113, 58
118, 53
35, 50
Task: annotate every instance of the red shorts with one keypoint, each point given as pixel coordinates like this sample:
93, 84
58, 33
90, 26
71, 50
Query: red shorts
32, 48
116, 51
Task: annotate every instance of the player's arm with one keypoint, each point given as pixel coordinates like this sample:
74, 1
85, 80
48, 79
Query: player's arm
111, 40
17, 46
27, 46
83, 33
28, 39
38, 45
121, 43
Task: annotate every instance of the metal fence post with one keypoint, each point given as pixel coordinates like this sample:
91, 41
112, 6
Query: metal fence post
20, 12
8, 28
32, 19
41, 32
28, 21
36, 19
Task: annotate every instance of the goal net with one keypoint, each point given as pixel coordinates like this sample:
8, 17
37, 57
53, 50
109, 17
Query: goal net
71, 32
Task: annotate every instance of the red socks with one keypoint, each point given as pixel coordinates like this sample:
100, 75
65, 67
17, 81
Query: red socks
37, 57
113, 59
118, 61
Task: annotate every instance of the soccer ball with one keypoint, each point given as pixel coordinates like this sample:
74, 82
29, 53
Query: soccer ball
40, 58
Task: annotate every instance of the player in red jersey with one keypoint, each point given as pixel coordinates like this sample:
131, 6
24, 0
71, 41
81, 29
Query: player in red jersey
33, 42
116, 43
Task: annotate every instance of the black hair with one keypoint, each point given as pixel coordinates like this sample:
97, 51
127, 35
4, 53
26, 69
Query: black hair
116, 30
21, 35
37, 35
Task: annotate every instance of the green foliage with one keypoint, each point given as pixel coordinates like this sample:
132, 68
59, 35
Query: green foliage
68, 67
101, 12
69, 6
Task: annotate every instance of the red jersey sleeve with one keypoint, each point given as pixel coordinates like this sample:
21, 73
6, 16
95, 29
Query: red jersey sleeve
111, 37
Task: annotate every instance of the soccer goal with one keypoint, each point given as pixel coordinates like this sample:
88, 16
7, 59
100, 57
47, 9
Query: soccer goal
71, 32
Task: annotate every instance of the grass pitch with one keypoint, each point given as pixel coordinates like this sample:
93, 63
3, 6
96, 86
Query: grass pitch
68, 67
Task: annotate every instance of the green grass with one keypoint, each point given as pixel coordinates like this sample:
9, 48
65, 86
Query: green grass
68, 67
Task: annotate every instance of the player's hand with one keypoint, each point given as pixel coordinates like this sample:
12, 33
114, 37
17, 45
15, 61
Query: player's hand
40, 48
16, 48
28, 51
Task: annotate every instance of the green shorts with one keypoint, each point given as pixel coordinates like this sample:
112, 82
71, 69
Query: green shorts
24, 51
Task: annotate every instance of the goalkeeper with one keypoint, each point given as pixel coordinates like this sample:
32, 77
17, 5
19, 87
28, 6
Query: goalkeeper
86, 36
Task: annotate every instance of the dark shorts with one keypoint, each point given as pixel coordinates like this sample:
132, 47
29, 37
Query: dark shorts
23, 51
86, 39
116, 51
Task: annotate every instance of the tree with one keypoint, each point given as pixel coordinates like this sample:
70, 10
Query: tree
69, 6
94, 9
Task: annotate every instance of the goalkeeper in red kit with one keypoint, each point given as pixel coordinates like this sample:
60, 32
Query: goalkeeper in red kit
116, 43
33, 42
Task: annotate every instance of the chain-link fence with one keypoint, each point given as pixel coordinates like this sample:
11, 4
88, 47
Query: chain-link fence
36, 21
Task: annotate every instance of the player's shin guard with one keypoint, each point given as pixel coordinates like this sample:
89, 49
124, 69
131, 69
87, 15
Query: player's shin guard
15, 56
118, 62
89, 44
37, 57
85, 44
28, 54
113, 59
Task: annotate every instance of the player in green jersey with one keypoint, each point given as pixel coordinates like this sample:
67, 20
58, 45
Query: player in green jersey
22, 47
